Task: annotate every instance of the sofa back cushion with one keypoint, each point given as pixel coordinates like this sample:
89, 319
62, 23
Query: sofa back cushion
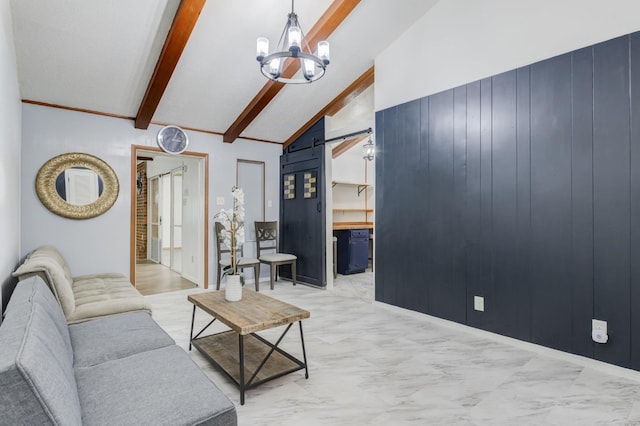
37, 381
48, 262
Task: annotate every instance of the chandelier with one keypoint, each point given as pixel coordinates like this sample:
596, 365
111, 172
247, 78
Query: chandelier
292, 45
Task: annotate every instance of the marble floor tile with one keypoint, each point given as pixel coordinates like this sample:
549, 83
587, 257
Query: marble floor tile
371, 364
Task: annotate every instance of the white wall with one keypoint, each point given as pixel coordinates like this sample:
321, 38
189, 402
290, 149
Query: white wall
460, 41
102, 244
351, 167
10, 140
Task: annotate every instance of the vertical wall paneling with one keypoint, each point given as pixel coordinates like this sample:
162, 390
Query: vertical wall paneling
524, 189
634, 231
458, 243
523, 153
408, 172
389, 245
582, 201
472, 222
551, 202
486, 221
611, 195
400, 213
443, 294
380, 216
423, 203
504, 205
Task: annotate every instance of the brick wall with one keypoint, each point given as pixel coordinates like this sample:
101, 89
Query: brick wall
141, 214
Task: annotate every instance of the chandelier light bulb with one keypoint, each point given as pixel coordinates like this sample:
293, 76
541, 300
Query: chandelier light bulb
309, 68
295, 39
323, 51
274, 67
262, 48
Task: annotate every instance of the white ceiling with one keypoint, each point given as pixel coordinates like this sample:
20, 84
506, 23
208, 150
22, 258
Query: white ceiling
100, 55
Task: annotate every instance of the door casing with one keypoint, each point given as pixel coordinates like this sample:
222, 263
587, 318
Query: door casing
132, 218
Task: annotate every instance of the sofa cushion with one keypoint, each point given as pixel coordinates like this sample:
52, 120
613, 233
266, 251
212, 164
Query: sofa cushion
116, 336
37, 381
85, 297
159, 387
104, 294
50, 263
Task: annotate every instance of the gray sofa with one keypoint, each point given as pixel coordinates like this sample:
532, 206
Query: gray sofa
119, 370
83, 297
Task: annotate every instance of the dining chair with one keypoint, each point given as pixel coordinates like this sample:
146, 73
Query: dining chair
243, 262
266, 240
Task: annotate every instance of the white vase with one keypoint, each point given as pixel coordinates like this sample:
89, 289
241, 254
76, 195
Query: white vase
233, 288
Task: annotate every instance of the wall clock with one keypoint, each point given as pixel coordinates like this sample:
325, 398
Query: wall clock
173, 139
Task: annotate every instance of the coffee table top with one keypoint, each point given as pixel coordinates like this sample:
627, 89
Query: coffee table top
253, 313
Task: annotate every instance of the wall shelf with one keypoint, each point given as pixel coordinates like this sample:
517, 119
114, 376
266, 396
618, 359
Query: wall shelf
361, 186
353, 210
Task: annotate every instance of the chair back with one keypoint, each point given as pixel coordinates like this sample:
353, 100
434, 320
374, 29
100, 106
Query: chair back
266, 236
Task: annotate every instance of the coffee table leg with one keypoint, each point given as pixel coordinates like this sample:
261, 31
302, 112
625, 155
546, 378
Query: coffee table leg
193, 317
304, 353
241, 344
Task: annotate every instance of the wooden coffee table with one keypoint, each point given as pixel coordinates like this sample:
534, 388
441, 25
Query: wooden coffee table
239, 352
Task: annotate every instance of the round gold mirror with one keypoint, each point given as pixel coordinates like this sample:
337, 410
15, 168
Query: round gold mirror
77, 185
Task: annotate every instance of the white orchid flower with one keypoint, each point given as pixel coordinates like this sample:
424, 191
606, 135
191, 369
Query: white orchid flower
233, 222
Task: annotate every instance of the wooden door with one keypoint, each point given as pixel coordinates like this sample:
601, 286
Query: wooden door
302, 213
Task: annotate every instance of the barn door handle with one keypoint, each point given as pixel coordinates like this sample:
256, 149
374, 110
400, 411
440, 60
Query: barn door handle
319, 207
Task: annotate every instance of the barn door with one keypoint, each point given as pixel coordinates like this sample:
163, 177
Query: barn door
302, 213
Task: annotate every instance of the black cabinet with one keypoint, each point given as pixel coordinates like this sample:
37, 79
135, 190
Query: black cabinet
353, 250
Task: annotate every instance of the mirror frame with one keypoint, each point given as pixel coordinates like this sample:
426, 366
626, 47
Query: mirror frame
46, 185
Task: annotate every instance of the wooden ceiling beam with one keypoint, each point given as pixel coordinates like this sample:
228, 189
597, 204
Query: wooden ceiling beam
328, 22
346, 146
361, 84
183, 23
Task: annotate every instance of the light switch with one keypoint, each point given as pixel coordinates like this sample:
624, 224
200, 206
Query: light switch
220, 201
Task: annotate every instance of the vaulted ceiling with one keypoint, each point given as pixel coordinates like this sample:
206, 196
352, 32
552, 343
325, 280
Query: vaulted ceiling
192, 62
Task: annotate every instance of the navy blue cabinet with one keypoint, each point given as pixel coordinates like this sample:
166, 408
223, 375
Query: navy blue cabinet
353, 250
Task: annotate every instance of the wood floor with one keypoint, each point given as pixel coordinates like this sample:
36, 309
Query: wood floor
153, 278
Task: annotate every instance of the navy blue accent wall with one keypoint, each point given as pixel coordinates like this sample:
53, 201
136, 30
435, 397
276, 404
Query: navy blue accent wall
523, 188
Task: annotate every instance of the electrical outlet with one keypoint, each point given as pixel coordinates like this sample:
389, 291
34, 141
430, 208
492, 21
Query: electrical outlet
220, 201
269, 203
599, 331
599, 325
478, 303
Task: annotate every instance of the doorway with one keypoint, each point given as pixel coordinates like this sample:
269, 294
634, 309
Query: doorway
169, 225
350, 205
